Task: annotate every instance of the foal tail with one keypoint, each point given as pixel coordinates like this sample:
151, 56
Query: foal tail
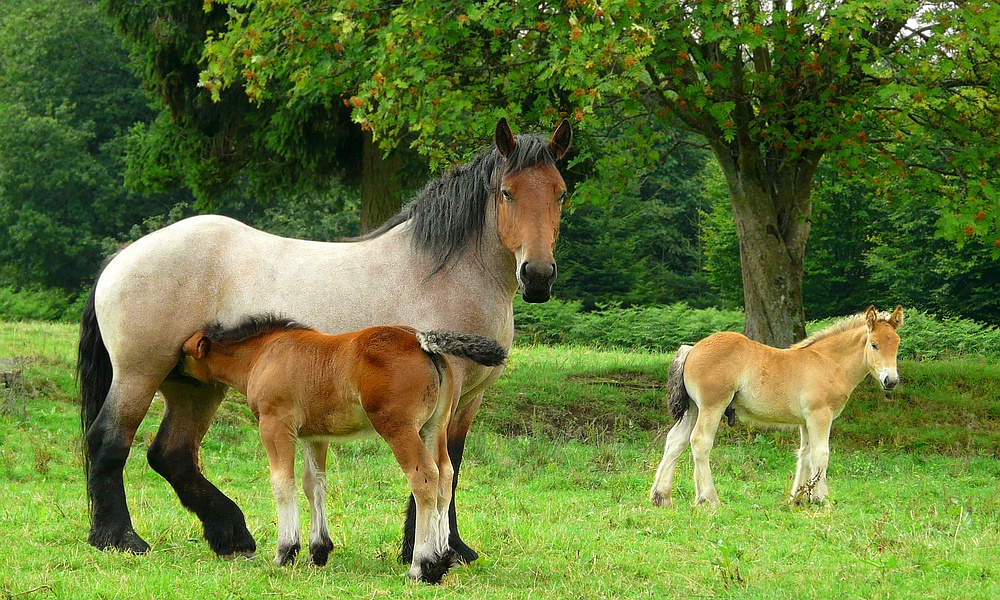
93, 370
678, 399
477, 348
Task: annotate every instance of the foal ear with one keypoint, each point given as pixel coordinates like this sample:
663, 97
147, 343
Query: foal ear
561, 139
504, 138
871, 315
896, 318
197, 346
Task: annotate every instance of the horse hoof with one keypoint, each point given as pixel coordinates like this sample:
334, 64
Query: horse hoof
461, 550
234, 540
432, 571
123, 541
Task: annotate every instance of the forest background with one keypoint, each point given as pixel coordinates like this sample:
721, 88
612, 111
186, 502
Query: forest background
117, 118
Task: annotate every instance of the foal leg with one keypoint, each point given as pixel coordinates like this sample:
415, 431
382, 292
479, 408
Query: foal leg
314, 484
431, 559
109, 439
279, 443
702, 439
458, 430
803, 467
818, 424
677, 441
189, 411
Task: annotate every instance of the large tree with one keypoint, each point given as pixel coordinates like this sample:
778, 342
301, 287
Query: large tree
901, 92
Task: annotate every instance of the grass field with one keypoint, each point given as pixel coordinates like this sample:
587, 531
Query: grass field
553, 494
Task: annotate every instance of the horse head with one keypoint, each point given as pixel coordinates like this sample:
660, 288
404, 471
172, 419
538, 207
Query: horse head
882, 346
528, 210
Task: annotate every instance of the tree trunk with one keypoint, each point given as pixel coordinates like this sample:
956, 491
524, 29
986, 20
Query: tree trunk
772, 213
380, 189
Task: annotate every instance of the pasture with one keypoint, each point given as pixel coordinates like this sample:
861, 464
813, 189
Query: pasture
554, 495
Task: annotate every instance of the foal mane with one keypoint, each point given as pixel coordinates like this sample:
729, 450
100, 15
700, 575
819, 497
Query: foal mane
449, 212
251, 327
844, 324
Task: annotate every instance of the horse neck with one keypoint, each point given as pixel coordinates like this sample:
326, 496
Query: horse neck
847, 348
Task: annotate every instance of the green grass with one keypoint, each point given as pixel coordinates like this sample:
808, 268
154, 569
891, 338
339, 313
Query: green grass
553, 494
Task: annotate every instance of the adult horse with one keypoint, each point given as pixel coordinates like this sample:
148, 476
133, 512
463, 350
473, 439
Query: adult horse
453, 258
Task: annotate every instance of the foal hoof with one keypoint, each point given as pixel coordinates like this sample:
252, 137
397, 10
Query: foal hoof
286, 554
126, 540
320, 553
660, 500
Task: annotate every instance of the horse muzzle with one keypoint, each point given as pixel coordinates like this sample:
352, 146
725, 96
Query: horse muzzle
535, 280
889, 379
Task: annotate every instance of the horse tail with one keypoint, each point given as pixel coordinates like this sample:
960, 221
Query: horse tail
678, 400
477, 348
93, 370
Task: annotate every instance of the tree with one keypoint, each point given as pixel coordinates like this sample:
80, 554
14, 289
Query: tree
214, 142
67, 100
772, 88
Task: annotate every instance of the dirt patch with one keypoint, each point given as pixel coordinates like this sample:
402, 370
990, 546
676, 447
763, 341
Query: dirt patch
595, 407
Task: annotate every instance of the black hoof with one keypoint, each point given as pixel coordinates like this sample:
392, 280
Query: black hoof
124, 541
433, 571
230, 539
287, 554
320, 553
462, 550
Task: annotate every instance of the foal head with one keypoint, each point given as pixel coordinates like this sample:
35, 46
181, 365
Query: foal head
882, 345
528, 208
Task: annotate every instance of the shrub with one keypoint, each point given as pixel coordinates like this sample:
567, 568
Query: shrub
663, 328
39, 305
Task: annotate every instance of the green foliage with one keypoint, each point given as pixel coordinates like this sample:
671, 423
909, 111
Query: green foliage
639, 245
663, 328
658, 328
66, 102
39, 305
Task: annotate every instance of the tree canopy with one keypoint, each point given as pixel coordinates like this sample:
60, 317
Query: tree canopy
900, 93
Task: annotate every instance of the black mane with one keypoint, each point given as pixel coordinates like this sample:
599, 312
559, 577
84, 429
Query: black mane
449, 212
250, 327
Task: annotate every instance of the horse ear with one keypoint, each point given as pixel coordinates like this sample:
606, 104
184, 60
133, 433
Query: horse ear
871, 315
197, 346
896, 318
561, 139
504, 138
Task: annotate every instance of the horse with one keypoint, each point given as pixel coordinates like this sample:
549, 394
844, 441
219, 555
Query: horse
303, 384
804, 386
453, 258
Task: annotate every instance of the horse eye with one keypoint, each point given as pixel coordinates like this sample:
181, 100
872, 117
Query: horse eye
506, 195
874, 346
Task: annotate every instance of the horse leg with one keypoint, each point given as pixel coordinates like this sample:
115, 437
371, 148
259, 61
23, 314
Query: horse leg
818, 425
677, 441
279, 443
189, 411
458, 430
803, 466
702, 439
314, 485
109, 439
